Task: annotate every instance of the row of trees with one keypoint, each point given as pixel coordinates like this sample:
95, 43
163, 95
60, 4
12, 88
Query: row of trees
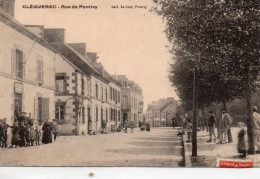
215, 50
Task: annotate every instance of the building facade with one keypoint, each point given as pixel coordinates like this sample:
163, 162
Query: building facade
132, 100
27, 70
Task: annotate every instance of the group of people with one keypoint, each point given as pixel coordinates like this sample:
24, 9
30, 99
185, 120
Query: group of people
25, 133
131, 126
224, 134
144, 126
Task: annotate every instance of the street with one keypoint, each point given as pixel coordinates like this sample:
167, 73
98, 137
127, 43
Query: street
159, 148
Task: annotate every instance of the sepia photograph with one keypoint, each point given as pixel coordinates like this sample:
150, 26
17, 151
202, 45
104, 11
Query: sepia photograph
130, 83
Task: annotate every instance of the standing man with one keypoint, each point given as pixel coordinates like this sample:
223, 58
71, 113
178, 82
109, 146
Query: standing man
23, 133
125, 125
5, 126
55, 129
256, 117
224, 126
132, 126
211, 125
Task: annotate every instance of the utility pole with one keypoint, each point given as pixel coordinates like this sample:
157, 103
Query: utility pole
194, 121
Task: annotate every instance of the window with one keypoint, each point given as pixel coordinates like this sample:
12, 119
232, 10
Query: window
96, 90
111, 93
102, 92
101, 114
111, 114
83, 115
118, 96
119, 116
40, 106
106, 94
106, 115
125, 100
18, 63
60, 112
18, 103
82, 87
39, 70
89, 87
60, 84
96, 113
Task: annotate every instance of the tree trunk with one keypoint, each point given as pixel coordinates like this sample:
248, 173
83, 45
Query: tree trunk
225, 105
250, 123
195, 117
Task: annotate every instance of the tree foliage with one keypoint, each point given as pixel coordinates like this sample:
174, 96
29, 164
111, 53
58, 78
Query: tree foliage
220, 37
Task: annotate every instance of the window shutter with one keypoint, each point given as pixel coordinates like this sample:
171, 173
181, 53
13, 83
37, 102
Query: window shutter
23, 63
39, 70
45, 108
35, 114
13, 61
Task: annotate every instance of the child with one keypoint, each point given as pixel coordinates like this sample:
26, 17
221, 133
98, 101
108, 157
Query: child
28, 135
37, 135
189, 130
180, 133
241, 147
32, 136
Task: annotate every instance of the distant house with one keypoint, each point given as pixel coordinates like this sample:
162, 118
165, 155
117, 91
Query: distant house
168, 113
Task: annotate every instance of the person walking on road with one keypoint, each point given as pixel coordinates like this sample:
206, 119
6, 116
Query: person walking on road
125, 125
132, 126
211, 125
189, 130
256, 117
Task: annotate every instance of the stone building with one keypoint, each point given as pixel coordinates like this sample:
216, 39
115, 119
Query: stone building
132, 100
27, 70
91, 93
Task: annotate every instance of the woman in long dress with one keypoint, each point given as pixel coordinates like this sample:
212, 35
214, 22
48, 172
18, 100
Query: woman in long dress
47, 133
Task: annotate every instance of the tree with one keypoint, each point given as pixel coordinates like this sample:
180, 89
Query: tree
221, 38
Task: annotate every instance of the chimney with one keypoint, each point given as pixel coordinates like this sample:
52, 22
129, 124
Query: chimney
8, 6
92, 56
38, 30
79, 47
54, 35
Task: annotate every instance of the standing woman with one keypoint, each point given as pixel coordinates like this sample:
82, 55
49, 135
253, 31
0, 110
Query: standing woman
45, 133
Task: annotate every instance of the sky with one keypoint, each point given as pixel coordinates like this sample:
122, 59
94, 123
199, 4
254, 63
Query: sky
127, 41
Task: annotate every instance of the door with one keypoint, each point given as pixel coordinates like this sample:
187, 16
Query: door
17, 104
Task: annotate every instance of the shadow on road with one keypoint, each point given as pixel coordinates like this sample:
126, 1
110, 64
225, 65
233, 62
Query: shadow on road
159, 138
159, 151
155, 143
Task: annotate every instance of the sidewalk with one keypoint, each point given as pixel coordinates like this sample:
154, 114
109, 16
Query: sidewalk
209, 152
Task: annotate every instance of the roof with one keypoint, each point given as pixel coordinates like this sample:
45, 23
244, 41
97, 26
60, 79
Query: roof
14, 24
170, 107
160, 105
150, 107
99, 67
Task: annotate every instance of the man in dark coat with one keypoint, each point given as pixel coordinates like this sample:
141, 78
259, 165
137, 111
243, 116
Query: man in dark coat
5, 127
23, 134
